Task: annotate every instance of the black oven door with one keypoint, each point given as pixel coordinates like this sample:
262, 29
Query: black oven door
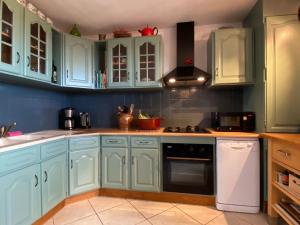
188, 173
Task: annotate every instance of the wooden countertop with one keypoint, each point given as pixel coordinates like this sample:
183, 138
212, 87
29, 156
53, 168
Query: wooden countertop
211, 133
293, 138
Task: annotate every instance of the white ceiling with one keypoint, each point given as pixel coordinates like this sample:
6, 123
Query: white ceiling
104, 16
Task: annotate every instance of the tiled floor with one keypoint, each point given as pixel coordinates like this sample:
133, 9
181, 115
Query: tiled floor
116, 211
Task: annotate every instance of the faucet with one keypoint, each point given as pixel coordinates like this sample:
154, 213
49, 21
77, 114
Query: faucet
5, 129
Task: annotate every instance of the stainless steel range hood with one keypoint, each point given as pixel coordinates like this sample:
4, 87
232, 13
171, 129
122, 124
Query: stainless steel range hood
186, 74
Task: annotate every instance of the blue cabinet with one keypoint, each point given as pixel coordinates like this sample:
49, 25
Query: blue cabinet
53, 182
20, 194
120, 63
38, 48
11, 54
148, 70
115, 167
83, 170
78, 62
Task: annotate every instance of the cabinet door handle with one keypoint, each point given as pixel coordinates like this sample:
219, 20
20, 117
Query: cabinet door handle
136, 76
36, 180
18, 55
46, 176
217, 71
71, 164
28, 61
132, 160
128, 76
123, 160
285, 153
67, 73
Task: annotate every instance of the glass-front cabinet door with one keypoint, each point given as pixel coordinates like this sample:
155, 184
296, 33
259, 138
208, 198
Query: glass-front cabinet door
11, 38
147, 61
38, 47
120, 72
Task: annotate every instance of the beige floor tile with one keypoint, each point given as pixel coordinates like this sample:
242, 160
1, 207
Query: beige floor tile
145, 222
49, 222
202, 214
172, 216
124, 214
90, 220
150, 208
228, 219
104, 203
73, 212
255, 219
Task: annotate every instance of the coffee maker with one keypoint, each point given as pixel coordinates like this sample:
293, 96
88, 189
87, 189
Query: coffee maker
67, 118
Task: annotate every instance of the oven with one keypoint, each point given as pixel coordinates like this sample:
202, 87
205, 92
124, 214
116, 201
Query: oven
188, 168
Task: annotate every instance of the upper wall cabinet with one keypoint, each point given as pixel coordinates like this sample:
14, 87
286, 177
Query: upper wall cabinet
231, 59
147, 61
120, 62
38, 47
283, 69
78, 62
11, 14
134, 62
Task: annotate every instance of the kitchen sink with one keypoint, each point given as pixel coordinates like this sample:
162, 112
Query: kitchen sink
27, 137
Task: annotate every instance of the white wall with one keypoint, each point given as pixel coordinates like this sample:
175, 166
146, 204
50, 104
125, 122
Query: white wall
202, 34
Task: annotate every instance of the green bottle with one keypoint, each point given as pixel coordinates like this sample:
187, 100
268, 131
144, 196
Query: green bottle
75, 31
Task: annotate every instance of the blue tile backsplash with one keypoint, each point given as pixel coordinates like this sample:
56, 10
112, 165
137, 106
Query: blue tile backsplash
36, 109
33, 109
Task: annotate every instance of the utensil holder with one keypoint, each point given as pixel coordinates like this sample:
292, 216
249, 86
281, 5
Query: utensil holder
125, 121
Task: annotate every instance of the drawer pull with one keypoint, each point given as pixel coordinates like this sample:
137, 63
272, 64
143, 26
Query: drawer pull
285, 153
113, 141
144, 142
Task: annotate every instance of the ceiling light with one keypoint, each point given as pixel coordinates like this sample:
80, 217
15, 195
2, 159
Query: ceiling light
201, 79
172, 80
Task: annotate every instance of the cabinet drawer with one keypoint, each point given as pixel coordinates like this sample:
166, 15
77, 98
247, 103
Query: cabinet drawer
113, 141
84, 142
19, 158
286, 153
144, 142
53, 148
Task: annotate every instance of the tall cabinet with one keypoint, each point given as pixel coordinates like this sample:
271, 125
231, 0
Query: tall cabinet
11, 14
38, 47
282, 73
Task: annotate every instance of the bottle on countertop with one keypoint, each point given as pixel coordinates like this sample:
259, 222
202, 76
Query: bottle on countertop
54, 74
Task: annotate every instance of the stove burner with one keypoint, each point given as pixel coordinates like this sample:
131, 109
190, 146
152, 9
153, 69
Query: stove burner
187, 129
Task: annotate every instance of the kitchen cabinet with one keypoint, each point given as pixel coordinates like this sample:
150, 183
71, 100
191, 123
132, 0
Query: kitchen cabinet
11, 53
282, 73
20, 194
120, 62
147, 61
38, 48
78, 62
83, 170
144, 169
53, 182
115, 167
231, 56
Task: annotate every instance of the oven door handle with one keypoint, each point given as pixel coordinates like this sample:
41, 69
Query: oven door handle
190, 159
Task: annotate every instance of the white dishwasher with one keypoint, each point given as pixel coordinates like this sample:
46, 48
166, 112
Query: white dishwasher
238, 175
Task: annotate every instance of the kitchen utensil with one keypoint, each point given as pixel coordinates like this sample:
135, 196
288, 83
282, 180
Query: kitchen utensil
125, 120
148, 124
131, 109
148, 31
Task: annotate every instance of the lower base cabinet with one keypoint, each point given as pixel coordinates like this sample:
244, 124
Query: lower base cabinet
53, 182
114, 168
144, 169
20, 197
83, 170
